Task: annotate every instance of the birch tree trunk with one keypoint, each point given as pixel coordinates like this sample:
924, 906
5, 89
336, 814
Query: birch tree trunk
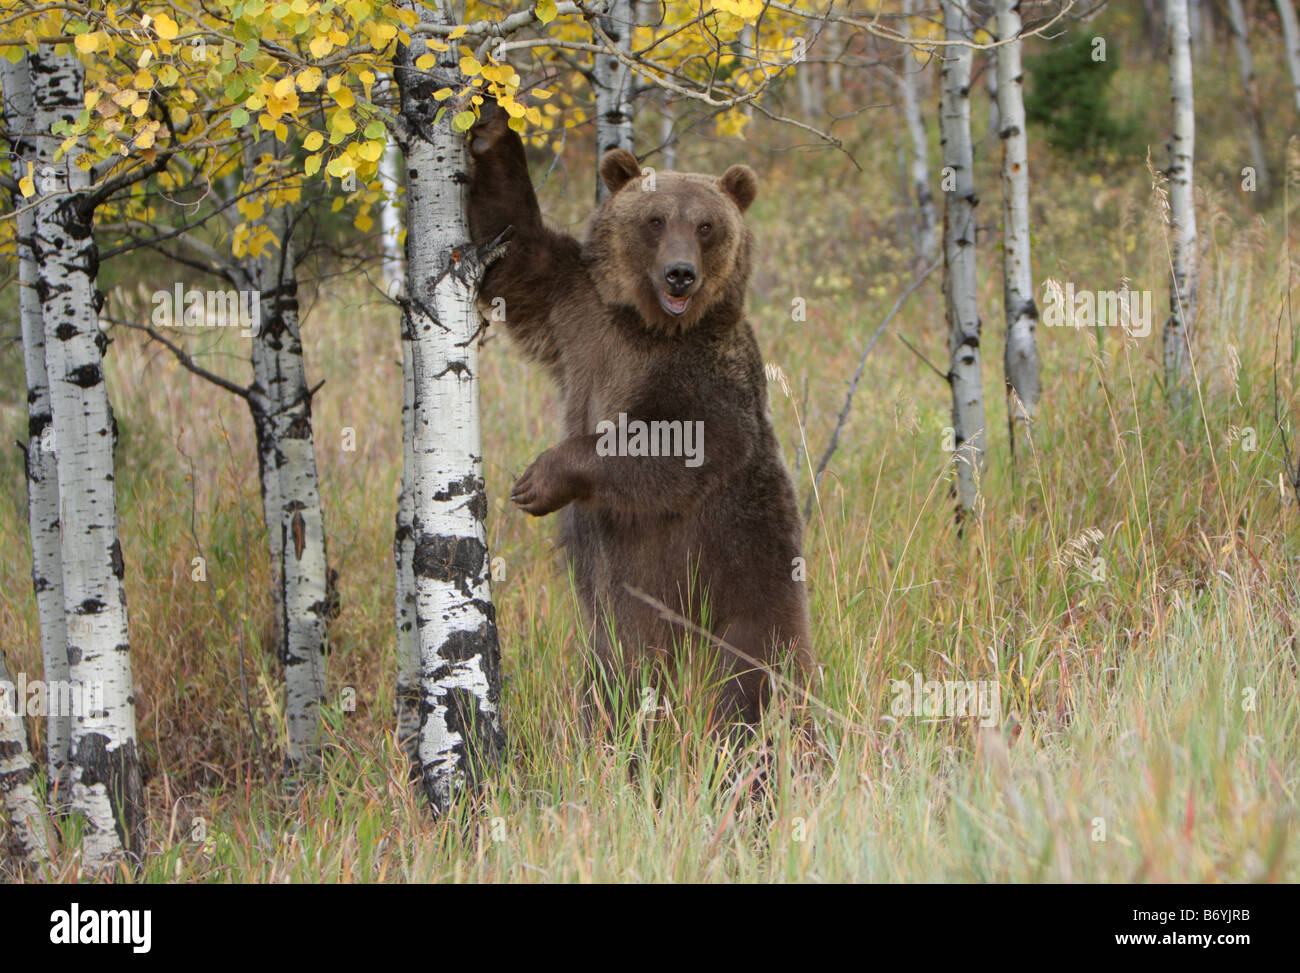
408, 639
106, 785
1182, 212
390, 214
959, 260
613, 82
1021, 361
297, 526
1291, 38
42, 474
920, 156
18, 775
460, 735
1246, 67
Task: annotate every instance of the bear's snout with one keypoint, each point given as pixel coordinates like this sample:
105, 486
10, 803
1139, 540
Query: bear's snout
680, 277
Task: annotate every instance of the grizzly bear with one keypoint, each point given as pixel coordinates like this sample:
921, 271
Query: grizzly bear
669, 479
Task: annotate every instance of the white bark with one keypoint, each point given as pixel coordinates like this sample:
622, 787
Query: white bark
614, 84
1021, 361
667, 138
297, 527
106, 786
390, 214
460, 736
42, 474
408, 639
1182, 211
1291, 38
920, 156
1246, 69
959, 259
18, 776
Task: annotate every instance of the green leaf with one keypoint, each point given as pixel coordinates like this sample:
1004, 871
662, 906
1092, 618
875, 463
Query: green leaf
238, 118
463, 121
375, 130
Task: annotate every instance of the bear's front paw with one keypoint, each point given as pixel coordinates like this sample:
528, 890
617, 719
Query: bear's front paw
546, 486
488, 130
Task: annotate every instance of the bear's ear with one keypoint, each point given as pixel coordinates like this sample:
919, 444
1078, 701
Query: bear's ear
618, 167
740, 183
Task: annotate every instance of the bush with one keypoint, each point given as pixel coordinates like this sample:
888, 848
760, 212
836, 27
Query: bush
1069, 97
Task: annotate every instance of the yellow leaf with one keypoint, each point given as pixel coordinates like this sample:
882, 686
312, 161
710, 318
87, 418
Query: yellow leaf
320, 46
313, 141
27, 186
426, 61
309, 79
312, 165
469, 66
284, 87
339, 166
87, 43
266, 121
458, 32
546, 11
166, 27
345, 98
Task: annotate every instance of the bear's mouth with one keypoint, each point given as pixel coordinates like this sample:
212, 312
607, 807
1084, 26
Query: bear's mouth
674, 305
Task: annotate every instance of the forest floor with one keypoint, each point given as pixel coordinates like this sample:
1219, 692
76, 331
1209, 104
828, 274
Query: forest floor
1131, 590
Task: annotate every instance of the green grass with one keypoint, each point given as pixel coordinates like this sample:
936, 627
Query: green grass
1151, 720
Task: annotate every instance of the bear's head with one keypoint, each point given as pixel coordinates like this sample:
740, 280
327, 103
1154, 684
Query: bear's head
674, 245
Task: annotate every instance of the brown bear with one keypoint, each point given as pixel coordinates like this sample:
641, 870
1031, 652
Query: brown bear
669, 479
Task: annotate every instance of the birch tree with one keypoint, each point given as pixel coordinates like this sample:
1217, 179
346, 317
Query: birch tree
1250, 90
290, 484
1021, 361
18, 777
41, 472
1182, 211
960, 201
612, 79
460, 734
408, 638
920, 156
106, 787
1291, 39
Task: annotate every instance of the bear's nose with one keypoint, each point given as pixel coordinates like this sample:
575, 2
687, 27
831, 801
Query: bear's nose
680, 276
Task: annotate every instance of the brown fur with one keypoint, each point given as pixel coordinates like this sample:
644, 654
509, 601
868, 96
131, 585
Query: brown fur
728, 530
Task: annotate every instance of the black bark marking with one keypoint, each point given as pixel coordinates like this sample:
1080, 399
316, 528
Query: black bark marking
86, 376
454, 560
119, 771
115, 556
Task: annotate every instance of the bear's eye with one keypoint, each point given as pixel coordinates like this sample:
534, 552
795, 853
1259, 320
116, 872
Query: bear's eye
705, 229
656, 223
